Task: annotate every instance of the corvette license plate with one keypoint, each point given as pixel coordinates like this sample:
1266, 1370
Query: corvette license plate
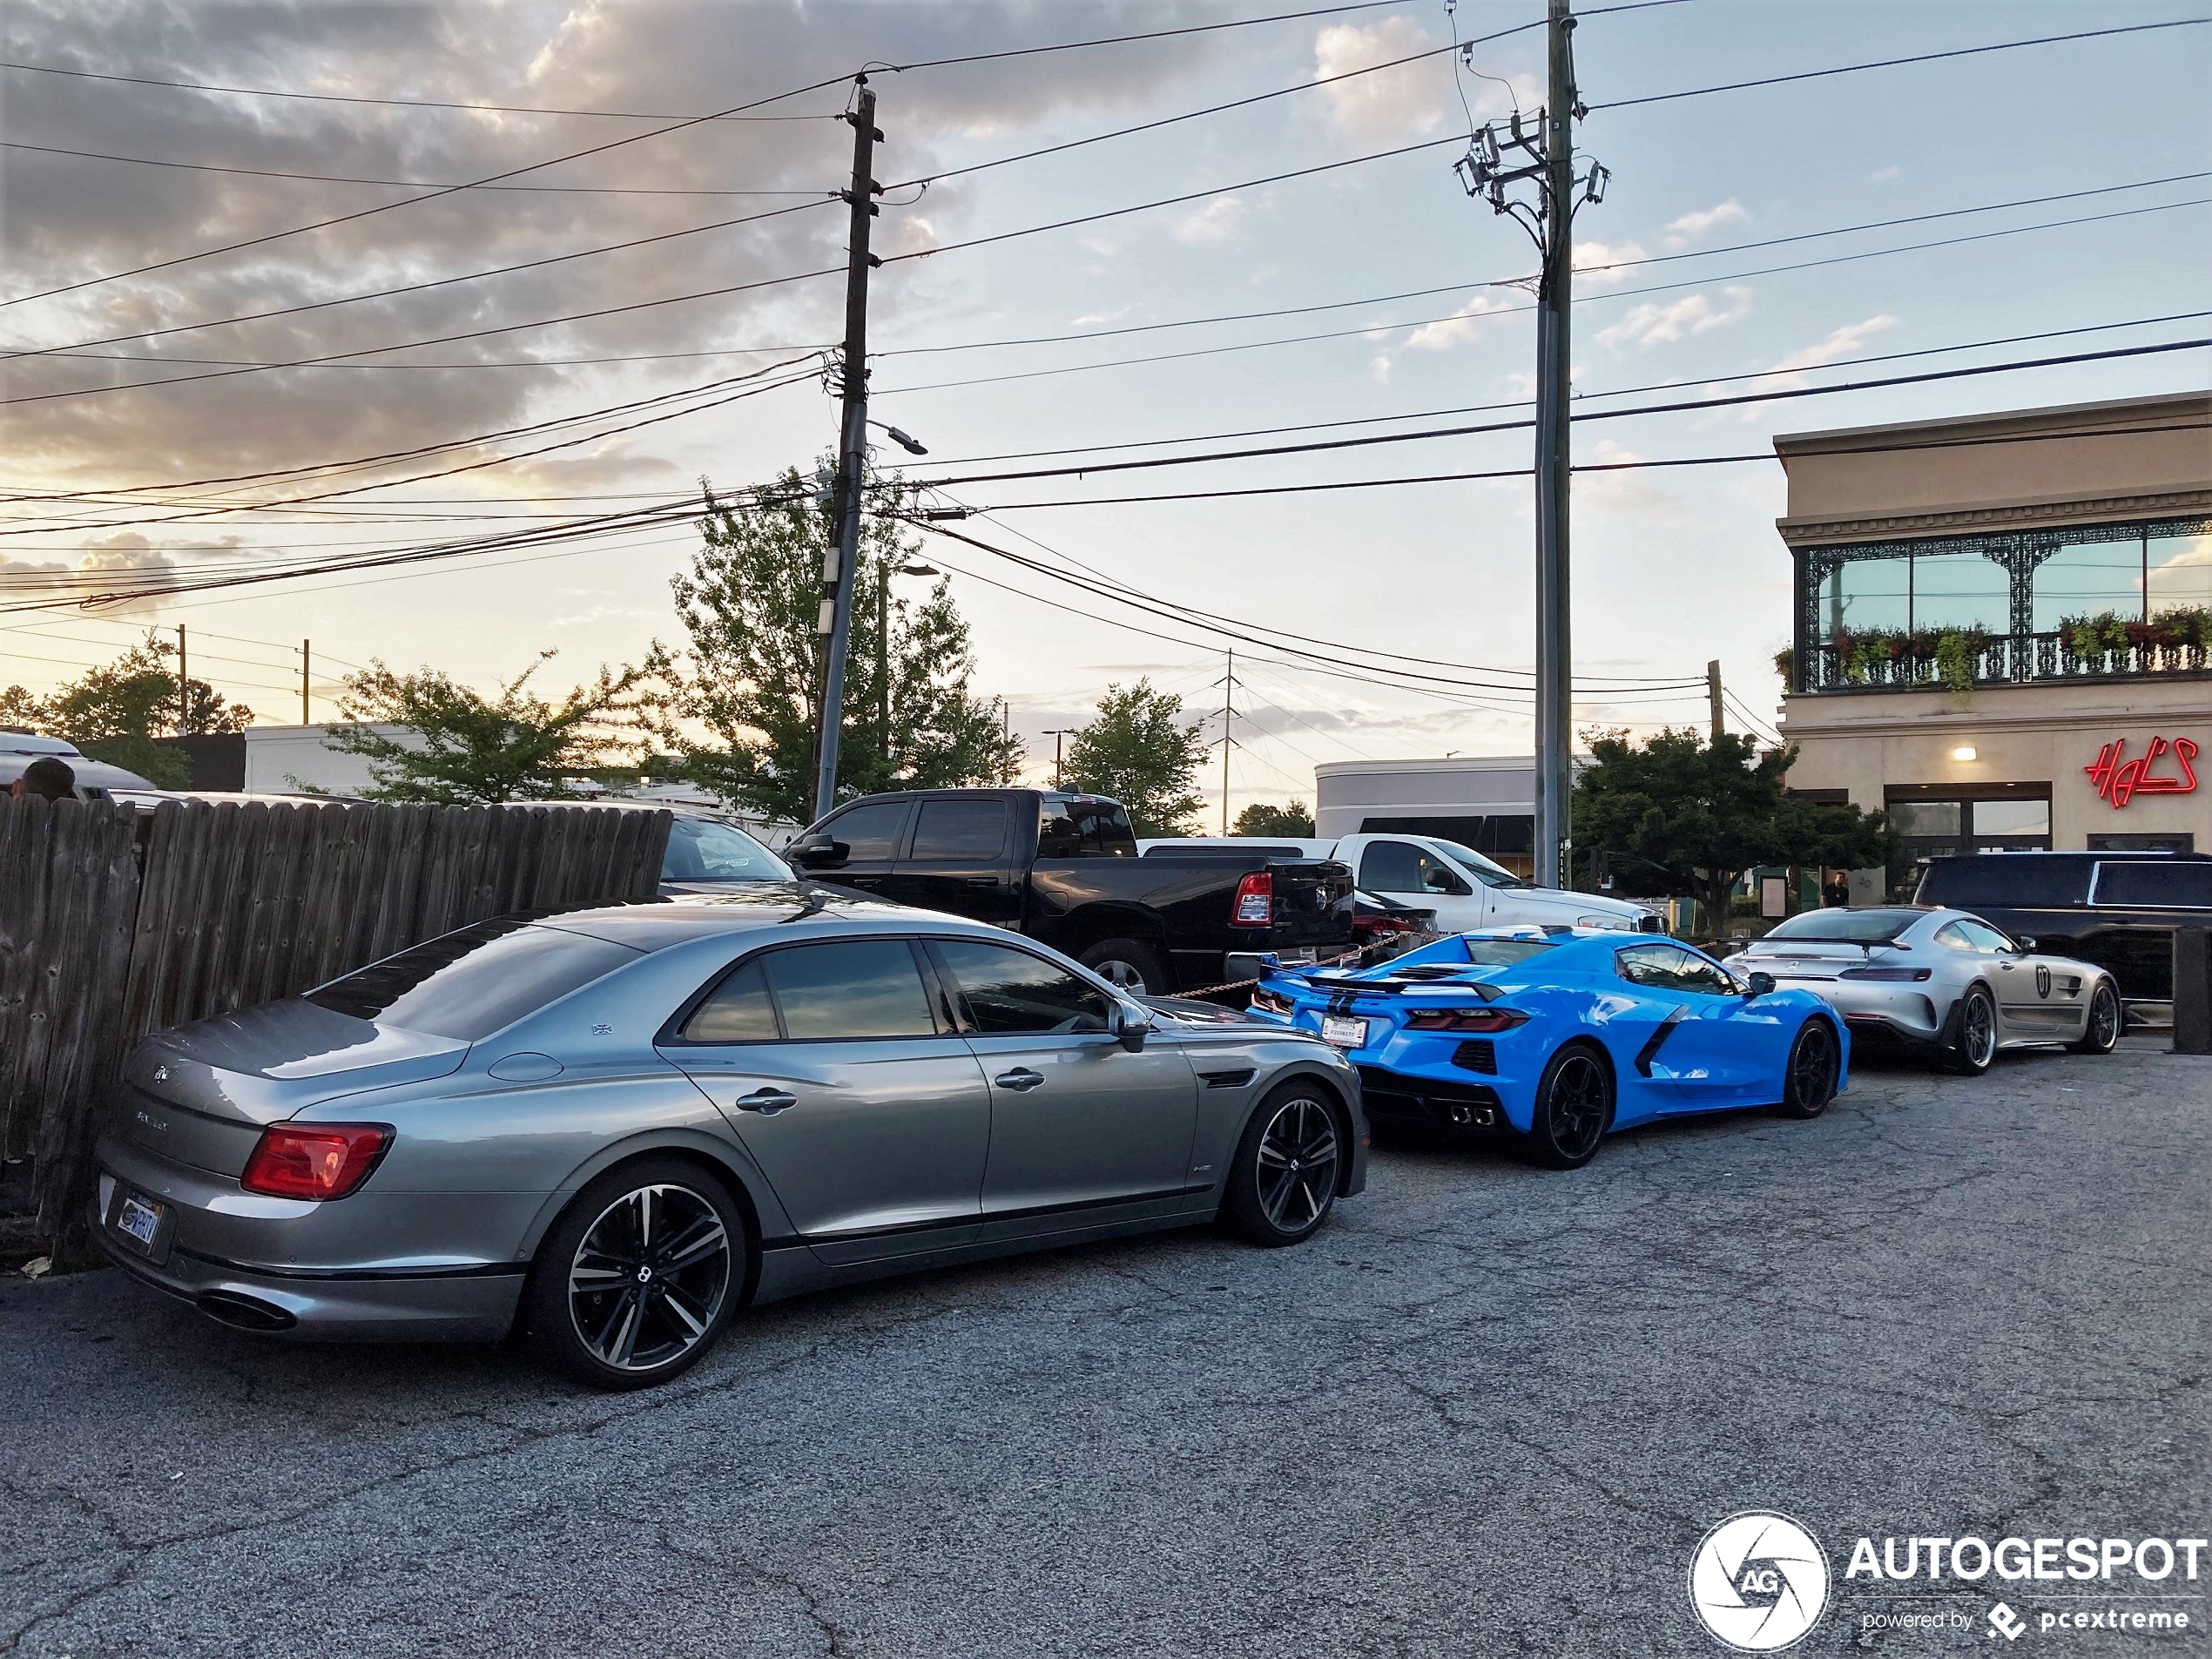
1344, 1033
139, 1218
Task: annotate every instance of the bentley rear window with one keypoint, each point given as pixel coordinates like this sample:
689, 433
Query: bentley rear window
475, 980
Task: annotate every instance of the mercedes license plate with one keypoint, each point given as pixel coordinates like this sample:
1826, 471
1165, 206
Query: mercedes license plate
141, 1218
1344, 1033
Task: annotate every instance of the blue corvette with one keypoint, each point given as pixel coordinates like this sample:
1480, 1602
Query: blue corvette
1562, 1033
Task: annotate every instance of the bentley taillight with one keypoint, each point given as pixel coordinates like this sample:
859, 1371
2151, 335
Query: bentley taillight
313, 1160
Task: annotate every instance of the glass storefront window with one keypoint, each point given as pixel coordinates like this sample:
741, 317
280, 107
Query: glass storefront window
1916, 818
1959, 591
2011, 817
2088, 578
2179, 572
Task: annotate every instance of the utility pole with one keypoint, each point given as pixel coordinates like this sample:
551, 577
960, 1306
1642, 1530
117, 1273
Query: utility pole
1229, 683
1543, 153
184, 685
1056, 735
305, 659
835, 623
1713, 699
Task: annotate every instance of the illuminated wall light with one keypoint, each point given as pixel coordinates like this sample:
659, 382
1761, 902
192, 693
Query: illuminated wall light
1965, 752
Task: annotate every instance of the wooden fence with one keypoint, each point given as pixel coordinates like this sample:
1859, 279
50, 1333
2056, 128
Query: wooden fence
114, 923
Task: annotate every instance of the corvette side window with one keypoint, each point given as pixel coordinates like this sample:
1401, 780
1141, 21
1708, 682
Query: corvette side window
1693, 973
1651, 965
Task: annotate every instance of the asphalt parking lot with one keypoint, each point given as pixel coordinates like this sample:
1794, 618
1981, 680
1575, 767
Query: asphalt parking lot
1488, 1411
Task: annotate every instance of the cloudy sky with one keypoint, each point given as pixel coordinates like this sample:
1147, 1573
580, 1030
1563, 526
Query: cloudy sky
1044, 340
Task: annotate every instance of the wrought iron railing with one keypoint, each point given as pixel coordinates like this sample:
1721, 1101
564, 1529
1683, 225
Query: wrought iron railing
1994, 659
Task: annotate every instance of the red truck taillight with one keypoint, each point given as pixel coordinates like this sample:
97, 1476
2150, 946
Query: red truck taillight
1254, 905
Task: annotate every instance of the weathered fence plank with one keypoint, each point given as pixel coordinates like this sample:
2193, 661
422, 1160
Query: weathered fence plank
114, 923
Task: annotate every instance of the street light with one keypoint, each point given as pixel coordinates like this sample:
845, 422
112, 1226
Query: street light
913, 446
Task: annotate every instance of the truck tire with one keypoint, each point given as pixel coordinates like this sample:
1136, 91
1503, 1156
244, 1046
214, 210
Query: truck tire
1127, 965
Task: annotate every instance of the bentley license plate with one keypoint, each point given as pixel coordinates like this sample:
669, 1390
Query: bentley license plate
139, 1218
1344, 1033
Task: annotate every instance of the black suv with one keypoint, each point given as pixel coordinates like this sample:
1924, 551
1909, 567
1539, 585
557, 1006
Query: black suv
2118, 910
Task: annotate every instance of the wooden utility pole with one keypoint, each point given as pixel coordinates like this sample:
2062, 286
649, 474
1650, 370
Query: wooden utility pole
305, 659
1555, 301
836, 619
184, 685
1713, 699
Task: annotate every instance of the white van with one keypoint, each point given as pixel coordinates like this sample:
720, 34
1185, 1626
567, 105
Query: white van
1466, 890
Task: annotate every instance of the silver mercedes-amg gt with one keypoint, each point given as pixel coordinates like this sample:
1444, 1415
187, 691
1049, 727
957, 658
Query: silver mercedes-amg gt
618, 1127
1940, 982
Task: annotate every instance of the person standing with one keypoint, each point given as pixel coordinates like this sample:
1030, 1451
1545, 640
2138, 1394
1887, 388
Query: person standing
50, 778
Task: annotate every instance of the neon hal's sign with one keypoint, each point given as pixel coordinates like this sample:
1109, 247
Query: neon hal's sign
2119, 779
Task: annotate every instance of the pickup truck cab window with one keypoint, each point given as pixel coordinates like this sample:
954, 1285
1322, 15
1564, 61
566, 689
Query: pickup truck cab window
1473, 863
1008, 991
959, 829
1078, 826
1400, 866
871, 830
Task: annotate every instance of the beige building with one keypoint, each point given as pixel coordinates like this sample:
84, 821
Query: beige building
2003, 625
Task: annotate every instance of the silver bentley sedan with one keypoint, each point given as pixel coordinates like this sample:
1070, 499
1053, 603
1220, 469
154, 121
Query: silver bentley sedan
616, 1128
1940, 982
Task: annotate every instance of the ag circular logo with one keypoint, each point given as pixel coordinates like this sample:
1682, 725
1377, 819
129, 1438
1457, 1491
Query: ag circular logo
1758, 1581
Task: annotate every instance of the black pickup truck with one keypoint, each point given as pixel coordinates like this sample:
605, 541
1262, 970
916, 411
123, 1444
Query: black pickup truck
1063, 869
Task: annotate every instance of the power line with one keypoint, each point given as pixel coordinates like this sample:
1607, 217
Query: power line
1122, 40
424, 286
386, 207
472, 438
408, 183
393, 103
1592, 467
1618, 391
1193, 115
1893, 63
1086, 468
1371, 329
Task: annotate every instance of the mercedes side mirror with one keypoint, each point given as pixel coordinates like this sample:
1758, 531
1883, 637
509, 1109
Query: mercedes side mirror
1761, 984
1131, 1026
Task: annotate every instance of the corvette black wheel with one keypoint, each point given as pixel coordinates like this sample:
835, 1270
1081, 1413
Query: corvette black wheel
1809, 1084
1573, 1108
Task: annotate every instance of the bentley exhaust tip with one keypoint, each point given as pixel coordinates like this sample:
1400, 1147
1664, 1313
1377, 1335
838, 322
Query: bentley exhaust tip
245, 1313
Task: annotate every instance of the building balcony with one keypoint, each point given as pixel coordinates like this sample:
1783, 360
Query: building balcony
1961, 662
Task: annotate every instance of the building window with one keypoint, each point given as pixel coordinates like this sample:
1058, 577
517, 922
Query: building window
1937, 822
2177, 570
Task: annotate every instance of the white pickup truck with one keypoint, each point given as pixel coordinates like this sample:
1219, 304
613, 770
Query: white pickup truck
1466, 890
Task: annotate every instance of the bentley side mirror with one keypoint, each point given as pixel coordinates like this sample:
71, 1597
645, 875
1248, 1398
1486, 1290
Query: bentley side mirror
2025, 946
1762, 984
1132, 1028
816, 856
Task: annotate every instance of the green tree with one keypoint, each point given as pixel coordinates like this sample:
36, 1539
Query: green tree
750, 605
115, 712
1684, 816
1293, 822
469, 749
1141, 752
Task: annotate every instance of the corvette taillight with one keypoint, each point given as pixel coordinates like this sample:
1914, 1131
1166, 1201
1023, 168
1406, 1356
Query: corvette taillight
313, 1160
1270, 1002
1483, 1022
1254, 905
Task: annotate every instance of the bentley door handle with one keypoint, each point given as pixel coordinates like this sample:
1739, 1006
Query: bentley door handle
982, 880
1020, 1080
766, 1101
